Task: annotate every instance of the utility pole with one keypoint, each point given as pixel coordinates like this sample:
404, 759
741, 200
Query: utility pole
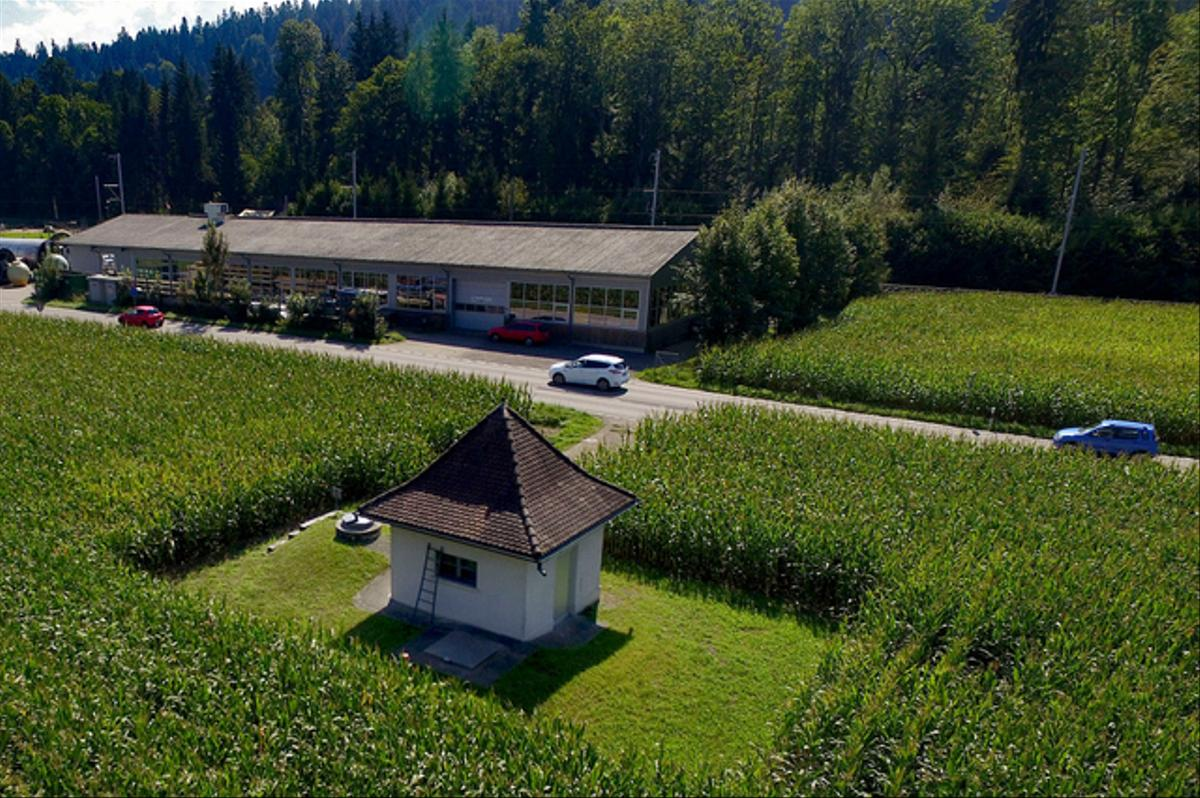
99, 207
1067, 229
121, 182
117, 190
654, 197
354, 180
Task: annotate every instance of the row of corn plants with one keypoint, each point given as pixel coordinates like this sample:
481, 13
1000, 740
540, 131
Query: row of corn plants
207, 445
1020, 358
122, 450
1016, 621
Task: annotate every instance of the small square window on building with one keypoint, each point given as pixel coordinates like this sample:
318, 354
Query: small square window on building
457, 569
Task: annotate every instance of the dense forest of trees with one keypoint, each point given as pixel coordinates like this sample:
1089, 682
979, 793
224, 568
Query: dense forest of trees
956, 105
251, 34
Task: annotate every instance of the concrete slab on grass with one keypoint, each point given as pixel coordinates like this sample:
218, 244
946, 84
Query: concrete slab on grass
502, 653
464, 649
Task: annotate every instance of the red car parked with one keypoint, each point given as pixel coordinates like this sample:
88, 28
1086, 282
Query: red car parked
142, 316
523, 332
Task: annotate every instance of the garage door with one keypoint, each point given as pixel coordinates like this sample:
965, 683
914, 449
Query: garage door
479, 304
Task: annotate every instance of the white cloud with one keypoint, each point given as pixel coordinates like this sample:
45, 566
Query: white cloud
86, 21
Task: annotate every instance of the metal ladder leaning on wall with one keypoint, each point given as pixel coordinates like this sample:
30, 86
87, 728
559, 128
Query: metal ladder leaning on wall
426, 603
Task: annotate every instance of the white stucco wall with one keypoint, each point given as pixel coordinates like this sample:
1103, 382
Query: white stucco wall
539, 595
587, 569
539, 601
510, 597
496, 603
84, 260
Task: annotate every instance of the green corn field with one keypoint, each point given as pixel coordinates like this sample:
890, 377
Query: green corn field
207, 444
1016, 621
1011, 621
988, 357
123, 451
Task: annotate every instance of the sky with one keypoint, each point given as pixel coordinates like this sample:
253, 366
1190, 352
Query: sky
99, 21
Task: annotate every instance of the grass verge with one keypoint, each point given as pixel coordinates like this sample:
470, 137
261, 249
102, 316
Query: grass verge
563, 426
685, 375
23, 234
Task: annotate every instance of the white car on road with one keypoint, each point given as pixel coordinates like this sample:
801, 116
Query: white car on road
601, 371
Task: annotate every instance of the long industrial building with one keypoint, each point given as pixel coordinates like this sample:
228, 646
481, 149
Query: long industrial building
594, 283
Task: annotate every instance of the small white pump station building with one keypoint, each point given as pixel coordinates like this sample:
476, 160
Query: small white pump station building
502, 532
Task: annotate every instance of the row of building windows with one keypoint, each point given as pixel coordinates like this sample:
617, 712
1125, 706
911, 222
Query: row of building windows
420, 293
366, 281
270, 282
542, 301
314, 281
279, 281
594, 306
607, 307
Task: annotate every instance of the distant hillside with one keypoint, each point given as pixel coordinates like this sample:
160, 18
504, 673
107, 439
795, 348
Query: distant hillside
252, 34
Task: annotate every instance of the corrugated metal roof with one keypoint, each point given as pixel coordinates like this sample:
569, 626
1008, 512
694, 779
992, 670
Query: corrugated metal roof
624, 251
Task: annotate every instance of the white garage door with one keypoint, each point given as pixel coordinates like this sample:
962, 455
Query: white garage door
479, 304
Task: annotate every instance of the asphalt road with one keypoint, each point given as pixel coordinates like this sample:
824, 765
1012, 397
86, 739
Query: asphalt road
620, 409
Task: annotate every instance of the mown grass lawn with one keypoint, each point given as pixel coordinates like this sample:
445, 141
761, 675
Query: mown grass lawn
679, 666
563, 426
312, 577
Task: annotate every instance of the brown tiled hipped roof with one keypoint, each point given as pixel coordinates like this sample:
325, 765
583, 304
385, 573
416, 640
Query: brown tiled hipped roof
505, 487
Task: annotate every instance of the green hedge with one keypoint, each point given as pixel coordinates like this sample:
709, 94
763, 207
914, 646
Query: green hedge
1135, 255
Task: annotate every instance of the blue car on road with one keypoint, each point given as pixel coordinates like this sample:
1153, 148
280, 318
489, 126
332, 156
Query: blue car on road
1111, 436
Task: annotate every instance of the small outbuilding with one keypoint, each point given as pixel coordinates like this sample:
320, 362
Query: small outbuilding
502, 532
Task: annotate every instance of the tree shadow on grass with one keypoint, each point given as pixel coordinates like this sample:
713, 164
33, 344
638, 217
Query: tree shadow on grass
545, 671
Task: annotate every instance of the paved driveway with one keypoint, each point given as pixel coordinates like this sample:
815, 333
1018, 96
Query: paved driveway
476, 355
